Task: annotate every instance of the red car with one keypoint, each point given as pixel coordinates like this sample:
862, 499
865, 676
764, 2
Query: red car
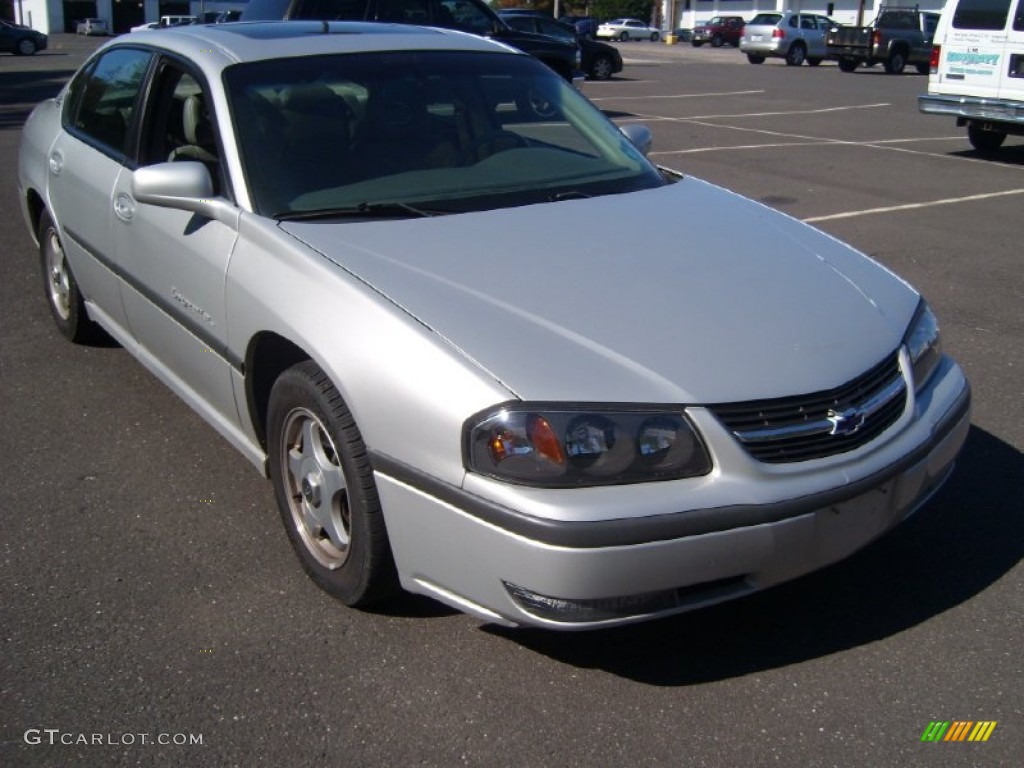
718, 30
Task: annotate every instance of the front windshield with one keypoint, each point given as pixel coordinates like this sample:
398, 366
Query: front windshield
445, 131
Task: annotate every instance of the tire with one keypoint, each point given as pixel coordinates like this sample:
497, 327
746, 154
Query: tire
896, 62
923, 69
813, 62
623, 37
847, 65
25, 47
716, 41
601, 68
755, 58
655, 37
325, 490
67, 306
986, 142
696, 43
796, 54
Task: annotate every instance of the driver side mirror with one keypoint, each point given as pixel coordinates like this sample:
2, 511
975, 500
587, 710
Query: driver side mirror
185, 186
640, 136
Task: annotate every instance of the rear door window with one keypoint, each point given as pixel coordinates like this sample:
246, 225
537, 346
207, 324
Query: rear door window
981, 14
103, 98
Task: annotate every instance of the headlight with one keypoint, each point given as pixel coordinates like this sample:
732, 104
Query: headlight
923, 344
562, 446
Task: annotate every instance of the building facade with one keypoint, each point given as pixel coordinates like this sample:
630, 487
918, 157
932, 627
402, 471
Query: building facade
50, 16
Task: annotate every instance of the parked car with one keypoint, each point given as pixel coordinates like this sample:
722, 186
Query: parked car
795, 37
898, 36
20, 40
977, 71
473, 16
718, 31
598, 60
354, 250
92, 27
586, 26
628, 29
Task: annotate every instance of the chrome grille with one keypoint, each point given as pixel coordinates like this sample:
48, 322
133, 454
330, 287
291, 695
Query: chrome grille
804, 427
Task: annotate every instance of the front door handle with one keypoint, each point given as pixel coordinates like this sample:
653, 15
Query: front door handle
124, 207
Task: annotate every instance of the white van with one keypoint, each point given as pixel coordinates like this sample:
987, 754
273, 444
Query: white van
977, 70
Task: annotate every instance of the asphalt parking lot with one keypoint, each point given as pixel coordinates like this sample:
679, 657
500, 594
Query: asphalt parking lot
148, 587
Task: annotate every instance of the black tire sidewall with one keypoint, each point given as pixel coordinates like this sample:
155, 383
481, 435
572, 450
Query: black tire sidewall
368, 572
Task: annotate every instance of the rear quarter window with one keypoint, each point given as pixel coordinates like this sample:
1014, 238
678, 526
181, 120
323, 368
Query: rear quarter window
981, 14
766, 19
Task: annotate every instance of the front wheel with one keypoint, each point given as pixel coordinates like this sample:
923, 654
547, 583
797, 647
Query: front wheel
26, 47
716, 41
65, 300
755, 58
984, 141
696, 43
325, 490
796, 54
847, 65
623, 36
654, 37
813, 61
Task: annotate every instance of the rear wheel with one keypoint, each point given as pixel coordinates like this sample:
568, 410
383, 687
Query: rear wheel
696, 43
62, 295
847, 65
325, 490
716, 41
755, 58
985, 141
654, 37
796, 54
26, 47
922, 69
896, 62
623, 36
813, 62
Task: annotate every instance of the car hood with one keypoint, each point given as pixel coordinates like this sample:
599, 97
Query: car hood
685, 294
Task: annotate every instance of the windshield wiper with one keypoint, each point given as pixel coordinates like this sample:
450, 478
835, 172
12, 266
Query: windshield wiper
369, 210
570, 195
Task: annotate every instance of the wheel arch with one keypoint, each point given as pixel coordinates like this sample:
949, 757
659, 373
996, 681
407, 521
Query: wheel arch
268, 356
35, 205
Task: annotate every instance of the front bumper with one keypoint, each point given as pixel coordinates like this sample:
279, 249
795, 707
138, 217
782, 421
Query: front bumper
502, 565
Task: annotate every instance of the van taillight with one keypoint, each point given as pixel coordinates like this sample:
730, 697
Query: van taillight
933, 64
778, 34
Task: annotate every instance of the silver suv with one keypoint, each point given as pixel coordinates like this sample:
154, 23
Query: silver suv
796, 37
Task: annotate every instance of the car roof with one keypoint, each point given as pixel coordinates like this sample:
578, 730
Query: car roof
219, 45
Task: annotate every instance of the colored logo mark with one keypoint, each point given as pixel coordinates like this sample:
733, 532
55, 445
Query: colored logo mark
958, 730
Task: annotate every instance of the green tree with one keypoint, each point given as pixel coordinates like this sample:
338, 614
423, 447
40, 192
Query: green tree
614, 9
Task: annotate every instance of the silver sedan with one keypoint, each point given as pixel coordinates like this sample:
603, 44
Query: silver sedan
628, 29
354, 250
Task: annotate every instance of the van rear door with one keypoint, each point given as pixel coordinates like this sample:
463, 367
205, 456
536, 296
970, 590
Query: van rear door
1011, 87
